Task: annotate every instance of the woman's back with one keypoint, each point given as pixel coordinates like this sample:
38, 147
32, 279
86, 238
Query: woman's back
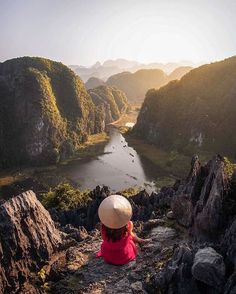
120, 251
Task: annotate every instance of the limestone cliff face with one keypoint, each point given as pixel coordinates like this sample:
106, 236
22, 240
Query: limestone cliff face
197, 112
45, 113
28, 238
111, 102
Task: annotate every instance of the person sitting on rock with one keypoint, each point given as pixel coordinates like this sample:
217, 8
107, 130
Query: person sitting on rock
118, 246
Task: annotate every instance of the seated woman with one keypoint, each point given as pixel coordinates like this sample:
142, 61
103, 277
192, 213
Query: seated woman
118, 246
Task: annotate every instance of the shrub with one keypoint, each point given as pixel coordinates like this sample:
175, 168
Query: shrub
65, 197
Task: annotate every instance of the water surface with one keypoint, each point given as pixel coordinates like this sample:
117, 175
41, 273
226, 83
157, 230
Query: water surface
120, 167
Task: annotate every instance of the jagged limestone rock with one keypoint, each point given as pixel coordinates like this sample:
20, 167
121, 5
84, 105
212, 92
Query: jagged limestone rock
198, 202
209, 267
28, 238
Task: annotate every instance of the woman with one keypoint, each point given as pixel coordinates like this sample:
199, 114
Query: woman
118, 246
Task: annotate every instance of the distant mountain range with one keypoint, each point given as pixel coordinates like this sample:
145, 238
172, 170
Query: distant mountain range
135, 85
112, 67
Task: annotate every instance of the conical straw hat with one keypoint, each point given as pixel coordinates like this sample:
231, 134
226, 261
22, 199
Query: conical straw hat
115, 211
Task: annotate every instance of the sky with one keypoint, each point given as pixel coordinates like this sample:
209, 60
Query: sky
85, 31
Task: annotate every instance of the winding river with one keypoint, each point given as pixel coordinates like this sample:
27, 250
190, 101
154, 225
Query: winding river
120, 167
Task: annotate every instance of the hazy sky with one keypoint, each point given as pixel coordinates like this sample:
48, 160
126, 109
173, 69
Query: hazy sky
82, 32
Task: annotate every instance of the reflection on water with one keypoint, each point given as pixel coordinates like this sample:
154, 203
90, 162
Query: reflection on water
119, 167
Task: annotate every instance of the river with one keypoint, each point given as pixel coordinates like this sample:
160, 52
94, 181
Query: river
120, 167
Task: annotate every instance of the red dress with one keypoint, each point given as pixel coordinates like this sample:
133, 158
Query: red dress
119, 252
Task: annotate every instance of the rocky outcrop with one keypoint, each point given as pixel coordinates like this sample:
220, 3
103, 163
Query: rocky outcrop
45, 112
209, 267
198, 202
173, 262
144, 206
184, 198
229, 243
28, 238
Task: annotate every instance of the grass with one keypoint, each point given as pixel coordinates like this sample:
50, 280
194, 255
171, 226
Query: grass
173, 163
93, 146
129, 192
130, 116
229, 167
165, 181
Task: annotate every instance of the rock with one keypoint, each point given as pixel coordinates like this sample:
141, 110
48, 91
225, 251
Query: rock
143, 205
183, 200
28, 239
170, 215
198, 201
153, 223
122, 286
162, 234
229, 242
209, 267
137, 286
175, 276
230, 286
78, 234
208, 210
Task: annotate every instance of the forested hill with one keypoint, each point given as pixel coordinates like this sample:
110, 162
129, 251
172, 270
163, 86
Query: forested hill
199, 111
93, 83
179, 72
45, 112
109, 101
135, 85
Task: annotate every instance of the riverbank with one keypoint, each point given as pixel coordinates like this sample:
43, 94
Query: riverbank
16, 180
173, 163
129, 117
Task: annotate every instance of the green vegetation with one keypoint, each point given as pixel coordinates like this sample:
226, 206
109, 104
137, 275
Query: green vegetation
135, 85
46, 113
111, 102
94, 83
229, 167
94, 146
196, 113
65, 197
173, 163
179, 72
165, 182
129, 192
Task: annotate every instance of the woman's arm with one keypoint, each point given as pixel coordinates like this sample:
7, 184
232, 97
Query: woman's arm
140, 240
135, 237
